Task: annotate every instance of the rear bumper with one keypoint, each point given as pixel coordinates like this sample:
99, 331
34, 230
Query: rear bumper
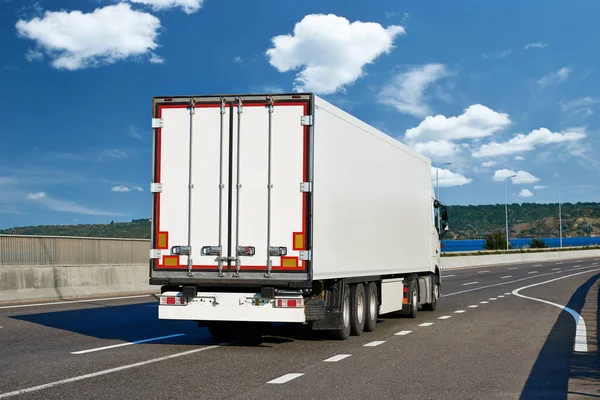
243, 307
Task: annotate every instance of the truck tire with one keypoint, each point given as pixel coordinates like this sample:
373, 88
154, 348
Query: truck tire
372, 307
343, 332
413, 298
358, 308
435, 293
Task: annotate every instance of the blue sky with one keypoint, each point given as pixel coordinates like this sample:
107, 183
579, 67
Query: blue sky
497, 88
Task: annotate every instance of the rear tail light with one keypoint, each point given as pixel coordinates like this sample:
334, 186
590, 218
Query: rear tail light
289, 303
173, 300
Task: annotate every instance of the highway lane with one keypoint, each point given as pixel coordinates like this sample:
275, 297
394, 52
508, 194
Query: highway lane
488, 351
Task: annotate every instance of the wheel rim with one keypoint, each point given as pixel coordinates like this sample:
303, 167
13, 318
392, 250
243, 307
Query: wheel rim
415, 299
373, 305
360, 303
347, 311
436, 292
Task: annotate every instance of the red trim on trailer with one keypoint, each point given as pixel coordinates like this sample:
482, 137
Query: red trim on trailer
302, 266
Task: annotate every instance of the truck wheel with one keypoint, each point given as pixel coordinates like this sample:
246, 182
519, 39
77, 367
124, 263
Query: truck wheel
436, 292
358, 308
372, 307
413, 296
343, 332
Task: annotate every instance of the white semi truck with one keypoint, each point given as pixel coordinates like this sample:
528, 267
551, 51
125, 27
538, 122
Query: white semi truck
284, 208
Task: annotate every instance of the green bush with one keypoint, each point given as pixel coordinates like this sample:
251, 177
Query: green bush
538, 244
495, 241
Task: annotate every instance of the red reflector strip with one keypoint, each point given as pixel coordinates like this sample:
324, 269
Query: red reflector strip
289, 303
279, 303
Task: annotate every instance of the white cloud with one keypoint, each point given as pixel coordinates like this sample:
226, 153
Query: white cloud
120, 189
521, 178
154, 59
330, 51
525, 193
36, 196
519, 158
580, 106
448, 178
67, 205
498, 54
237, 60
138, 188
437, 149
477, 121
133, 132
407, 89
538, 187
488, 164
521, 143
112, 154
538, 45
188, 6
76, 40
34, 55
554, 78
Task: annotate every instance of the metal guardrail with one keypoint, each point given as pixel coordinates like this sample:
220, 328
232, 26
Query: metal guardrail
17, 250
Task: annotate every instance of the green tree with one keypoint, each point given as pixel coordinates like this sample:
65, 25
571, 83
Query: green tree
495, 241
538, 244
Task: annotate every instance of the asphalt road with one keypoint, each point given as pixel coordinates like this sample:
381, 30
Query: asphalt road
490, 338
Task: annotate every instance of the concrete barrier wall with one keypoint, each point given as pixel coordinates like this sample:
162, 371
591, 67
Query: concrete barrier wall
515, 258
44, 283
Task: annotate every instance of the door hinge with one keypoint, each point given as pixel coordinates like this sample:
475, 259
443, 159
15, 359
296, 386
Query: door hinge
306, 120
305, 255
157, 123
155, 254
305, 187
156, 187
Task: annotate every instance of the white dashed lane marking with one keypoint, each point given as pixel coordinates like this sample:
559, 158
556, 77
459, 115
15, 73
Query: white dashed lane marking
470, 283
375, 343
426, 324
513, 268
493, 298
482, 272
445, 317
447, 276
505, 277
484, 302
555, 269
473, 306
337, 358
537, 265
501, 296
459, 311
402, 333
532, 272
285, 378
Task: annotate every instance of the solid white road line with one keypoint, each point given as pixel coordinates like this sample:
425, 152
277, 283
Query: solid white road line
402, 333
513, 268
482, 272
473, 306
445, 317
285, 378
375, 343
426, 324
459, 311
337, 358
75, 301
127, 344
580, 332
506, 277
103, 372
470, 283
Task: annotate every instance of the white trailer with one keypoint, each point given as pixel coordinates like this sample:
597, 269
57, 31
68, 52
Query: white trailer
284, 208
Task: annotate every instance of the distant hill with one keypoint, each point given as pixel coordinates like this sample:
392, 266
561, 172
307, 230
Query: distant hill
138, 228
526, 220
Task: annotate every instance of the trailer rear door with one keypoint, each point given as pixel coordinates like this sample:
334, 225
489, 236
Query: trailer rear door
230, 171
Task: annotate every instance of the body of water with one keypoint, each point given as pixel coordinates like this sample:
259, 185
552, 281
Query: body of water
474, 245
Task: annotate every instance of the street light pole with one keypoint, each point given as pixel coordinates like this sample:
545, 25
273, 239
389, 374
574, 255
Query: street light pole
559, 218
506, 208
